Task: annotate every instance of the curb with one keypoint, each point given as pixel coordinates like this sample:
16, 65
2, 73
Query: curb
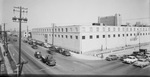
85, 57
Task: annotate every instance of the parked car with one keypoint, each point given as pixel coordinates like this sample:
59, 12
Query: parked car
49, 60
66, 53
130, 59
40, 43
141, 63
123, 57
37, 54
34, 46
46, 45
112, 57
25, 41
30, 42
15, 40
59, 50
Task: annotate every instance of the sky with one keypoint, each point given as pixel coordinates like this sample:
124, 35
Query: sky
42, 13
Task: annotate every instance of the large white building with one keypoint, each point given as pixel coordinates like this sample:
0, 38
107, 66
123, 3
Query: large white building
89, 38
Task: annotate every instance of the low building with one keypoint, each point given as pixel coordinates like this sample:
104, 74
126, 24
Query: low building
88, 38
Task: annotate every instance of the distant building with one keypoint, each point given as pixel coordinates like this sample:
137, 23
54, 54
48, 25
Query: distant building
27, 34
111, 20
82, 39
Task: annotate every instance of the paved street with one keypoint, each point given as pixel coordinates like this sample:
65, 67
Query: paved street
71, 65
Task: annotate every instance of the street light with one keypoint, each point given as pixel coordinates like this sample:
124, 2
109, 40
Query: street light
20, 19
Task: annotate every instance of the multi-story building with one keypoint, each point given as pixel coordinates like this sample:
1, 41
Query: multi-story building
111, 20
88, 38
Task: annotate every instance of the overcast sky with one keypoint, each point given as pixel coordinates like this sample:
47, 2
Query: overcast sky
42, 13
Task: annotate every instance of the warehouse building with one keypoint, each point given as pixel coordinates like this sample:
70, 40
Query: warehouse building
89, 38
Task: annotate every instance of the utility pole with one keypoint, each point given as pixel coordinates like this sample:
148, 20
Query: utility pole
4, 34
27, 33
20, 19
53, 34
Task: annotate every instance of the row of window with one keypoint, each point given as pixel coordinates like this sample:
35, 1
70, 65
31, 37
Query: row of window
57, 30
92, 29
117, 29
64, 36
117, 35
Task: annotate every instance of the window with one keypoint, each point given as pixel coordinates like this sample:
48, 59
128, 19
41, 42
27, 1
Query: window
76, 29
134, 34
103, 28
146, 33
58, 35
118, 35
71, 29
66, 30
91, 29
108, 36
62, 29
76, 37
97, 36
118, 29
130, 29
70, 36
143, 33
127, 34
62, 36
58, 30
114, 29
103, 36
140, 33
114, 35
66, 36
130, 34
55, 30
91, 36
55, 35
123, 35
83, 37
108, 29
83, 29
126, 29
97, 29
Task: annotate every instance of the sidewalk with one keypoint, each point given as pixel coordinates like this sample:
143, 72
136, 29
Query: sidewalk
7, 63
96, 55
85, 57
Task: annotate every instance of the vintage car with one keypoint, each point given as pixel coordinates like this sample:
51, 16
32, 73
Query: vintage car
34, 46
112, 57
141, 63
38, 54
15, 40
49, 60
130, 59
46, 45
66, 53
123, 57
